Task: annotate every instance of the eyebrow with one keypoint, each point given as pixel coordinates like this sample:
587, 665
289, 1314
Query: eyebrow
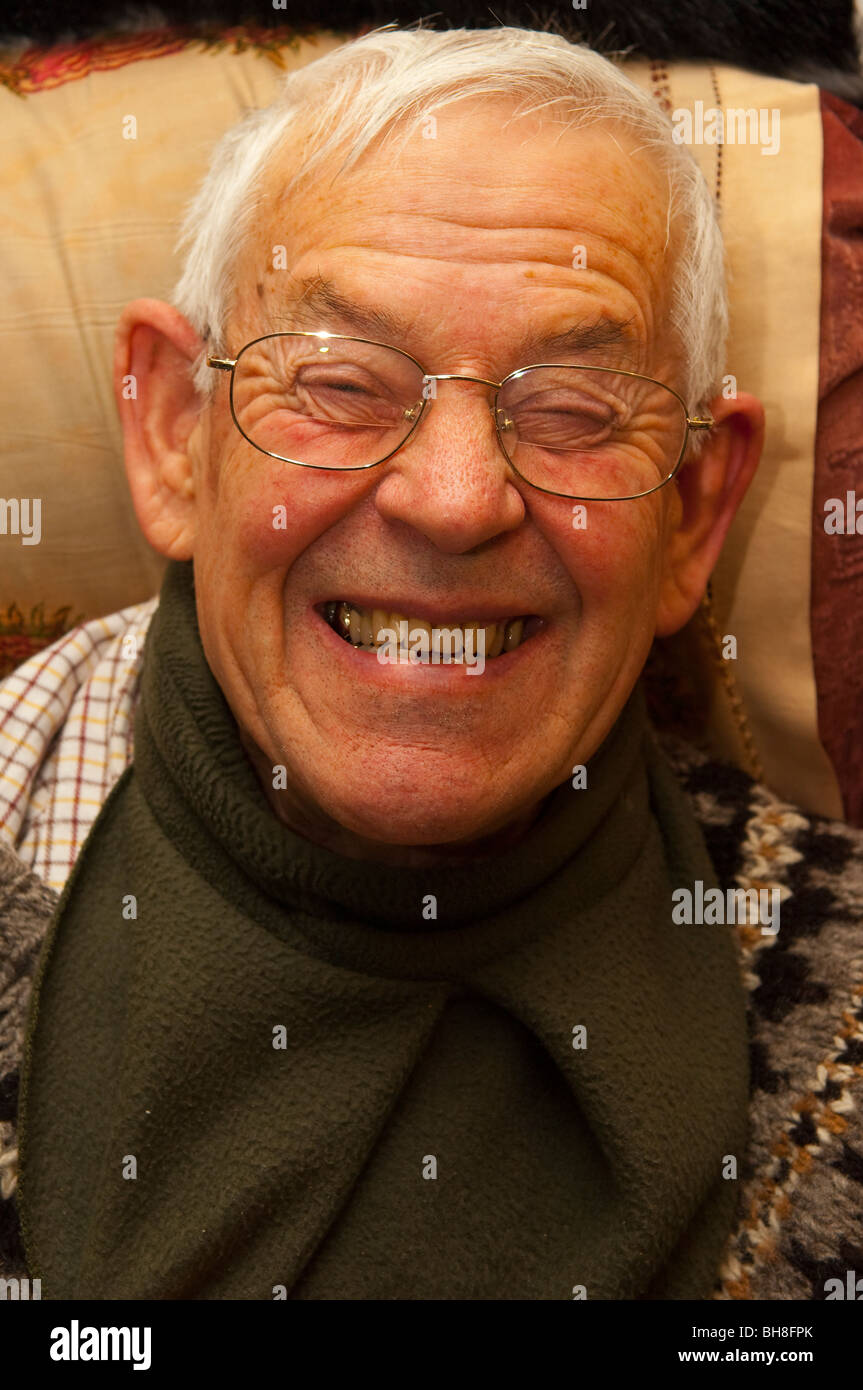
318, 298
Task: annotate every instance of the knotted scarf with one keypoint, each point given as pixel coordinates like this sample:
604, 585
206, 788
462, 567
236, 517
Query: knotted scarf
256, 1069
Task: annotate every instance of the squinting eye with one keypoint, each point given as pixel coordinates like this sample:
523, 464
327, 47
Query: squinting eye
565, 403
577, 422
339, 388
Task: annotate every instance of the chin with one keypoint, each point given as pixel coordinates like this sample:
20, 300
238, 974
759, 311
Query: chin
418, 819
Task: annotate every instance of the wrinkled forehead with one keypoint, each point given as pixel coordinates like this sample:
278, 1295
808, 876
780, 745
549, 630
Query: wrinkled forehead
478, 184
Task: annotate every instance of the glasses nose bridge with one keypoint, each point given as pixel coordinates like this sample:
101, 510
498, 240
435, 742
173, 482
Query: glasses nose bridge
459, 376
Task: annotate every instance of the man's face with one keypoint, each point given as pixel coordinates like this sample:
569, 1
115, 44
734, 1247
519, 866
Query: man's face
470, 237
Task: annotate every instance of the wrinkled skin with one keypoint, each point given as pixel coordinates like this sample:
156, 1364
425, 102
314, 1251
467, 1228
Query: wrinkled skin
469, 236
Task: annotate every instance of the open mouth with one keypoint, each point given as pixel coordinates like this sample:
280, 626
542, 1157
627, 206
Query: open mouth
367, 629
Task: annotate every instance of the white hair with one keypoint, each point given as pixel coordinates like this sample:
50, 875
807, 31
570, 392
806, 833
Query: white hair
391, 80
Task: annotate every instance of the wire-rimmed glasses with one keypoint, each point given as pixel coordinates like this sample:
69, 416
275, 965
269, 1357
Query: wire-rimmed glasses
326, 400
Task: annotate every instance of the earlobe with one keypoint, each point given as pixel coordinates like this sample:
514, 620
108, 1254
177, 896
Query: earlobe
710, 489
155, 351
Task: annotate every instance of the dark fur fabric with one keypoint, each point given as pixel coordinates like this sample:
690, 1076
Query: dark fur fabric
788, 38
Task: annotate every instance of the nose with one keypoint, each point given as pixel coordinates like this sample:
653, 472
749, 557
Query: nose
451, 481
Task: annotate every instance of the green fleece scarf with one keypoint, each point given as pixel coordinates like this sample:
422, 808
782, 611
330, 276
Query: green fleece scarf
255, 1070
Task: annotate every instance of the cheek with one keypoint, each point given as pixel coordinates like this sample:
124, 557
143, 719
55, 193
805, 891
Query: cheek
613, 552
262, 513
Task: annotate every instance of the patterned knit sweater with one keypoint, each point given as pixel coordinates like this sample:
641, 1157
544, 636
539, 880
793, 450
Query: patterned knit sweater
800, 1215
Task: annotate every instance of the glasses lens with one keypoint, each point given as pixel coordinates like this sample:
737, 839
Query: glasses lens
591, 433
326, 402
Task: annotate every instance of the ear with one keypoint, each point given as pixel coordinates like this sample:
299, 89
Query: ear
708, 491
155, 349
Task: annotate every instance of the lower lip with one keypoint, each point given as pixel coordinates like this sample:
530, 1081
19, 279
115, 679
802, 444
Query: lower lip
364, 667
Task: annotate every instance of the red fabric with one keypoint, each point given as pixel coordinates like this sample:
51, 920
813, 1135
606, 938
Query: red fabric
21, 637
38, 69
837, 560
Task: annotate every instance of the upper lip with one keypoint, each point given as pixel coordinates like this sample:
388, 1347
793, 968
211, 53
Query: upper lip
463, 608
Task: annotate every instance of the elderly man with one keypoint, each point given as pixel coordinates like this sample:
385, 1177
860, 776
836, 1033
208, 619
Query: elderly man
367, 982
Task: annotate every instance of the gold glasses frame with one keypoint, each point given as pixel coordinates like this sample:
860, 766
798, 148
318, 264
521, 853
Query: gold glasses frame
693, 422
